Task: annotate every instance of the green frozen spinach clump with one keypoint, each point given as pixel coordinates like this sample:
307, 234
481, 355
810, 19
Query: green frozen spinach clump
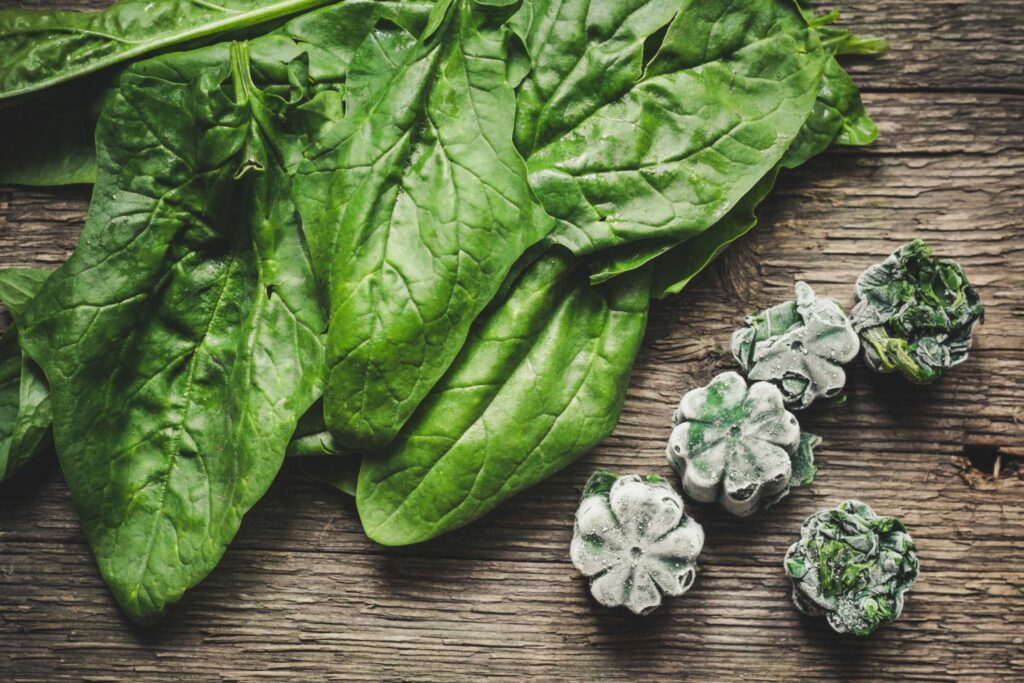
853, 567
916, 314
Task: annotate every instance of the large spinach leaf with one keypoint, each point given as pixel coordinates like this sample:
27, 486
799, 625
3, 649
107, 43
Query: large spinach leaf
183, 339
43, 49
620, 149
417, 207
24, 394
540, 382
837, 117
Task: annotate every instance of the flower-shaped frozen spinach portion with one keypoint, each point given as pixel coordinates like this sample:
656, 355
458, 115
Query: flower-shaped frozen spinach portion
634, 540
736, 444
799, 346
852, 566
916, 314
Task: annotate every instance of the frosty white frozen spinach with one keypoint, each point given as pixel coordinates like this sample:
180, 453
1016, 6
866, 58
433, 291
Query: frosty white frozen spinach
634, 541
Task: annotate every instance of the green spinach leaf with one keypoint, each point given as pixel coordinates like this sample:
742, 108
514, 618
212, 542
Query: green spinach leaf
43, 49
540, 382
417, 207
311, 436
620, 149
837, 117
183, 339
678, 265
25, 414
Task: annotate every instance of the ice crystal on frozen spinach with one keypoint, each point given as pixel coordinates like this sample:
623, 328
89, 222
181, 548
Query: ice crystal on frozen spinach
738, 445
799, 346
916, 314
853, 567
429, 209
24, 394
635, 542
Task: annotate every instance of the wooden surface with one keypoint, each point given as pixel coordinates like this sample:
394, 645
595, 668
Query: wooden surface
302, 593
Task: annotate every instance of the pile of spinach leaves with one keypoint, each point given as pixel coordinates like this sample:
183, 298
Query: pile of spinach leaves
411, 243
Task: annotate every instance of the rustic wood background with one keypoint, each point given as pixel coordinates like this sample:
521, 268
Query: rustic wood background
302, 593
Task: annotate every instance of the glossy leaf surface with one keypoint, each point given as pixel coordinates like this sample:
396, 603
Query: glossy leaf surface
540, 382
837, 117
183, 339
43, 49
49, 138
620, 148
427, 210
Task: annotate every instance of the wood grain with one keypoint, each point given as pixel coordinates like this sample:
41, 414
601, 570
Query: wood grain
303, 594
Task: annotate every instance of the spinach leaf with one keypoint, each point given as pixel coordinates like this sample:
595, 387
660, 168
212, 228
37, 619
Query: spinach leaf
311, 436
839, 41
679, 261
621, 150
18, 286
24, 394
837, 117
540, 381
183, 339
427, 209
42, 49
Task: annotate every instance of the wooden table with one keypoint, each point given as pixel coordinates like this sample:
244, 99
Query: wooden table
302, 593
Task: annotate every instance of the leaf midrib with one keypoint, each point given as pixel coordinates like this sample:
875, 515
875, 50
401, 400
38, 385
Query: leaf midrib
283, 8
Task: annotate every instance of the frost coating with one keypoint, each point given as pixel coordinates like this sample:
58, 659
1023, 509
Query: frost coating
738, 445
853, 567
634, 540
799, 346
916, 314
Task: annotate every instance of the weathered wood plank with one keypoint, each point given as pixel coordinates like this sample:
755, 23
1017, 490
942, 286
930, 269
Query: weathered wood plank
303, 594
